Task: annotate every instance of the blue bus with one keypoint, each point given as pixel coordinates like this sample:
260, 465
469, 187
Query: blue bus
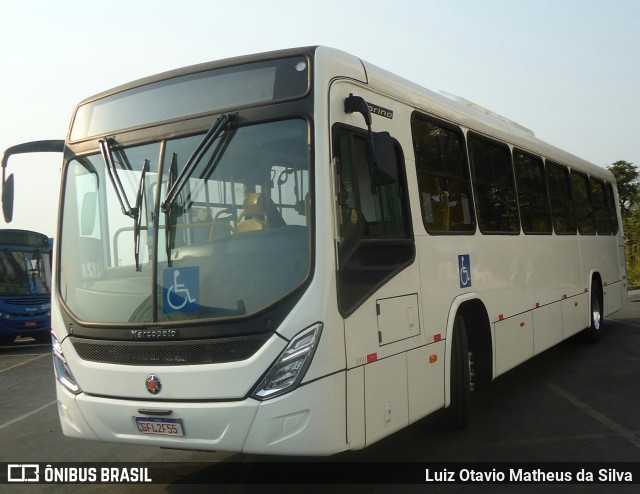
25, 286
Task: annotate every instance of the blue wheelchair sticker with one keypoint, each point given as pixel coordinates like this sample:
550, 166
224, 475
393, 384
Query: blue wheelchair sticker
180, 290
464, 269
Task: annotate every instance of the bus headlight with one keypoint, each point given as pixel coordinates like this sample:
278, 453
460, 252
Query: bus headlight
287, 372
63, 373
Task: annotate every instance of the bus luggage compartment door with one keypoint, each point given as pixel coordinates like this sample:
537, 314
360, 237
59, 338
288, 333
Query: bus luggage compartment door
397, 318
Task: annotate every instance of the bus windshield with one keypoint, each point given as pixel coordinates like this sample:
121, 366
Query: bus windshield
24, 272
234, 241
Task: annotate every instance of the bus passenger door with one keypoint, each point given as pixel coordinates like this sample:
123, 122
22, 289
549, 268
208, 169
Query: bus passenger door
377, 277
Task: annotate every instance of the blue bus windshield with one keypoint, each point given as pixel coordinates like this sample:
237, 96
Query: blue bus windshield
23, 272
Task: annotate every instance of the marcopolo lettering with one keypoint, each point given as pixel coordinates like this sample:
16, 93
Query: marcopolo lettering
154, 334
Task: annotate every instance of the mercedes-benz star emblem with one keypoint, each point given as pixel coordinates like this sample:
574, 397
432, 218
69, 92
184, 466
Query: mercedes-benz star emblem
153, 384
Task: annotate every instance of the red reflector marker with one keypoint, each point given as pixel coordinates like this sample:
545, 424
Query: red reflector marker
372, 357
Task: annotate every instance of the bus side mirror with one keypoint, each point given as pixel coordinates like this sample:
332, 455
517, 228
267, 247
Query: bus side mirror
385, 161
7, 198
51, 146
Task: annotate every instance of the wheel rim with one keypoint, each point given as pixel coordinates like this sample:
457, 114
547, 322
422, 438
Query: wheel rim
596, 316
472, 373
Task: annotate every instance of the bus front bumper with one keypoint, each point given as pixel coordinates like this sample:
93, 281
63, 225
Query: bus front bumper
308, 421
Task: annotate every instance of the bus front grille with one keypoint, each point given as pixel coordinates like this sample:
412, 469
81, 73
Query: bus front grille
192, 352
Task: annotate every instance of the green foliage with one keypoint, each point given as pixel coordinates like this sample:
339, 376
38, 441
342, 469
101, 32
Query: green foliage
628, 183
627, 178
631, 225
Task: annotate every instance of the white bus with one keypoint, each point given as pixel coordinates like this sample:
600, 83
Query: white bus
300, 253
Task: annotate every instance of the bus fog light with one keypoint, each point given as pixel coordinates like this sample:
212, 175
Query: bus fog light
290, 368
63, 373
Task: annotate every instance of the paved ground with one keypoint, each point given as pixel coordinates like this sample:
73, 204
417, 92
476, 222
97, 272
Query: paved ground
574, 403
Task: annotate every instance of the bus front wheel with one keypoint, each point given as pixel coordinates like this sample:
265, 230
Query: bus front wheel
7, 339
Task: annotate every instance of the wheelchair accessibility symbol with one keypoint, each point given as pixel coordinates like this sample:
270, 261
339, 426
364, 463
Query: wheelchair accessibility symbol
181, 289
464, 269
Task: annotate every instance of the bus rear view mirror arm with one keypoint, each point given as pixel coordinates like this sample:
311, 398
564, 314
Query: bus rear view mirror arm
383, 163
359, 105
47, 146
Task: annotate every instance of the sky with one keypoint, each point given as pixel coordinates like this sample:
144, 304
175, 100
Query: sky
567, 69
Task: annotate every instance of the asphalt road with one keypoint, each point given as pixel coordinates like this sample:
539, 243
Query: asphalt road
576, 402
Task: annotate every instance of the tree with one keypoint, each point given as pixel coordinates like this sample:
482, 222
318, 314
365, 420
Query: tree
628, 183
628, 179
631, 226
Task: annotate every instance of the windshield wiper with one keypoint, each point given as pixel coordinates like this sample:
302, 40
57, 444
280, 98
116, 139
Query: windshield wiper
168, 222
176, 183
134, 212
137, 219
105, 150
212, 134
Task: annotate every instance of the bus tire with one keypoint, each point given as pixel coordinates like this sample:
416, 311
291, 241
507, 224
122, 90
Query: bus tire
458, 411
43, 338
7, 339
594, 332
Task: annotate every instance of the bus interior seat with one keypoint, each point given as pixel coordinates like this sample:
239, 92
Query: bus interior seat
221, 225
254, 216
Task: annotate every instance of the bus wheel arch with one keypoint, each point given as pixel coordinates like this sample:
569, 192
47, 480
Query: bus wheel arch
470, 357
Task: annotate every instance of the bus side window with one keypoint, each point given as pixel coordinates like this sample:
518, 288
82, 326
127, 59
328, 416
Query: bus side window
533, 196
564, 218
603, 223
494, 185
443, 176
611, 208
582, 202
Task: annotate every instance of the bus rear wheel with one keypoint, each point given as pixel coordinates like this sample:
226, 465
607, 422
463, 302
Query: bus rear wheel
596, 315
458, 411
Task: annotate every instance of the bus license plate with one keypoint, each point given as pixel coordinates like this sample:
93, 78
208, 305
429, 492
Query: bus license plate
159, 426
